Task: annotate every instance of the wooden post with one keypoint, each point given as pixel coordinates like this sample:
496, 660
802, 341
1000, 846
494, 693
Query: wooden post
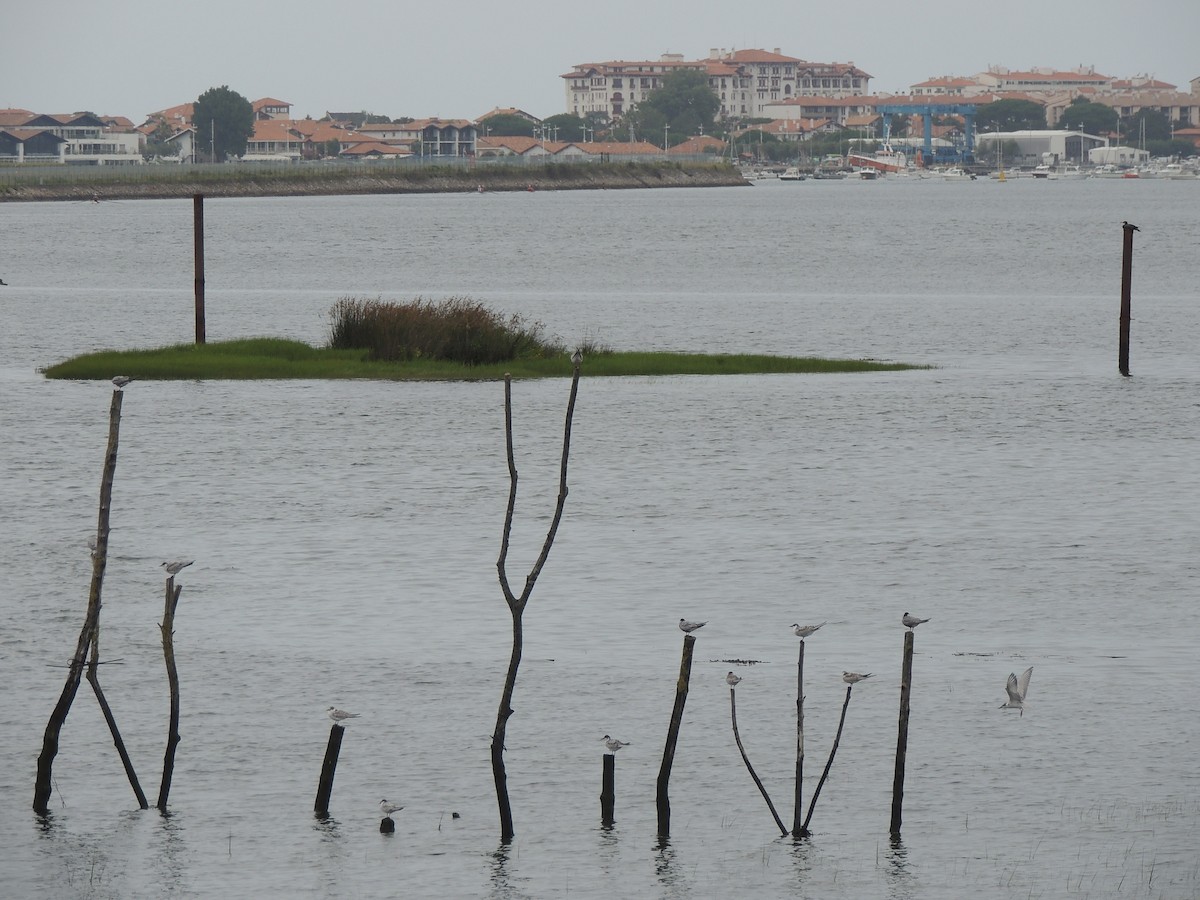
516, 604
168, 641
804, 832
664, 772
902, 736
608, 791
749, 768
797, 825
1126, 278
198, 244
91, 623
328, 770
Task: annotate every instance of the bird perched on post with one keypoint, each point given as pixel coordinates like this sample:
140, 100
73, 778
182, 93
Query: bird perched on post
911, 622
120, 381
613, 744
387, 808
177, 566
577, 357
339, 716
688, 627
1130, 227
854, 677
1017, 688
732, 680
804, 631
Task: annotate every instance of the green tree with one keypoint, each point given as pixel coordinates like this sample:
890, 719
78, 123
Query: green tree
1146, 123
684, 101
1092, 118
1011, 115
507, 125
224, 122
565, 126
156, 141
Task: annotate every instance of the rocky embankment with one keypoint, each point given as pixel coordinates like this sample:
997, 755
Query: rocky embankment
243, 181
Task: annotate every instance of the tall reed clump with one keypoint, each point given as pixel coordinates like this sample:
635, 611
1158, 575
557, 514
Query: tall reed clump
456, 329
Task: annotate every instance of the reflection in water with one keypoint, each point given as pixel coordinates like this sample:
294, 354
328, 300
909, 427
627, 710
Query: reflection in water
171, 854
900, 879
502, 880
330, 867
669, 875
802, 859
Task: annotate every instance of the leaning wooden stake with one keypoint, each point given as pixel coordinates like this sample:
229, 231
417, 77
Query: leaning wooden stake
328, 770
902, 736
168, 641
804, 832
664, 772
608, 789
749, 768
1126, 278
797, 825
516, 604
91, 623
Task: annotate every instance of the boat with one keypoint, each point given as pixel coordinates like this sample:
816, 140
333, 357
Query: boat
868, 174
885, 159
791, 173
1043, 171
956, 174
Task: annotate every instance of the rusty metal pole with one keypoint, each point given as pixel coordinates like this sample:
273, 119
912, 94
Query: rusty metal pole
1126, 277
198, 243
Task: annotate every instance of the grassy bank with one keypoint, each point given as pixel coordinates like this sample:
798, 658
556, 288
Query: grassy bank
269, 358
263, 180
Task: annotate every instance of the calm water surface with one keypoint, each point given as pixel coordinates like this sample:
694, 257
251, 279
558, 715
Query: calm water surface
1039, 507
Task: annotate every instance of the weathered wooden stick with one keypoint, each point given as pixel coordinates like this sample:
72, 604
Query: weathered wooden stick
516, 605
94, 680
749, 768
797, 825
171, 601
198, 245
608, 790
804, 832
902, 736
1126, 279
91, 623
328, 770
664, 772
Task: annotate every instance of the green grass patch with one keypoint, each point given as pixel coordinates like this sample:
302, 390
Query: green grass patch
270, 358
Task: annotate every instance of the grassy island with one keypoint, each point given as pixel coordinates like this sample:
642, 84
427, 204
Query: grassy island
264, 358
457, 339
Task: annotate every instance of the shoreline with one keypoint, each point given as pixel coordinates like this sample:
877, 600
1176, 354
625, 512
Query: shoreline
244, 181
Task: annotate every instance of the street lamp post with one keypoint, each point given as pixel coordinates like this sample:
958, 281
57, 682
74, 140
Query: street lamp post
666, 128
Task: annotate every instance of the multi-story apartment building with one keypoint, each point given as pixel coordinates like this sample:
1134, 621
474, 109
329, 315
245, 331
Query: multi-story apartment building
745, 81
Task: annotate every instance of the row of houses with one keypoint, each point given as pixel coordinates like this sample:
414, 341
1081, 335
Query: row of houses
800, 98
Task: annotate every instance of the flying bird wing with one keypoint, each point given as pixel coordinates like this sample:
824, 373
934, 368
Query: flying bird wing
1023, 683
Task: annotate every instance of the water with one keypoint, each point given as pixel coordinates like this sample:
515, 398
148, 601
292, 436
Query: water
1039, 507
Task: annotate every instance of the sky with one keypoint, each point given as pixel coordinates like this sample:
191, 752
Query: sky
460, 60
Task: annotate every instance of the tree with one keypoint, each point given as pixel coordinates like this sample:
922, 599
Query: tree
508, 125
1011, 115
224, 122
158, 141
1093, 118
1146, 123
565, 126
684, 101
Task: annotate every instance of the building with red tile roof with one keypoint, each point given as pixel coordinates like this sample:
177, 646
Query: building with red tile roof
745, 81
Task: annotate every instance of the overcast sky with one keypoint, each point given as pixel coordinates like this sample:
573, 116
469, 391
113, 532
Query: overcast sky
462, 59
